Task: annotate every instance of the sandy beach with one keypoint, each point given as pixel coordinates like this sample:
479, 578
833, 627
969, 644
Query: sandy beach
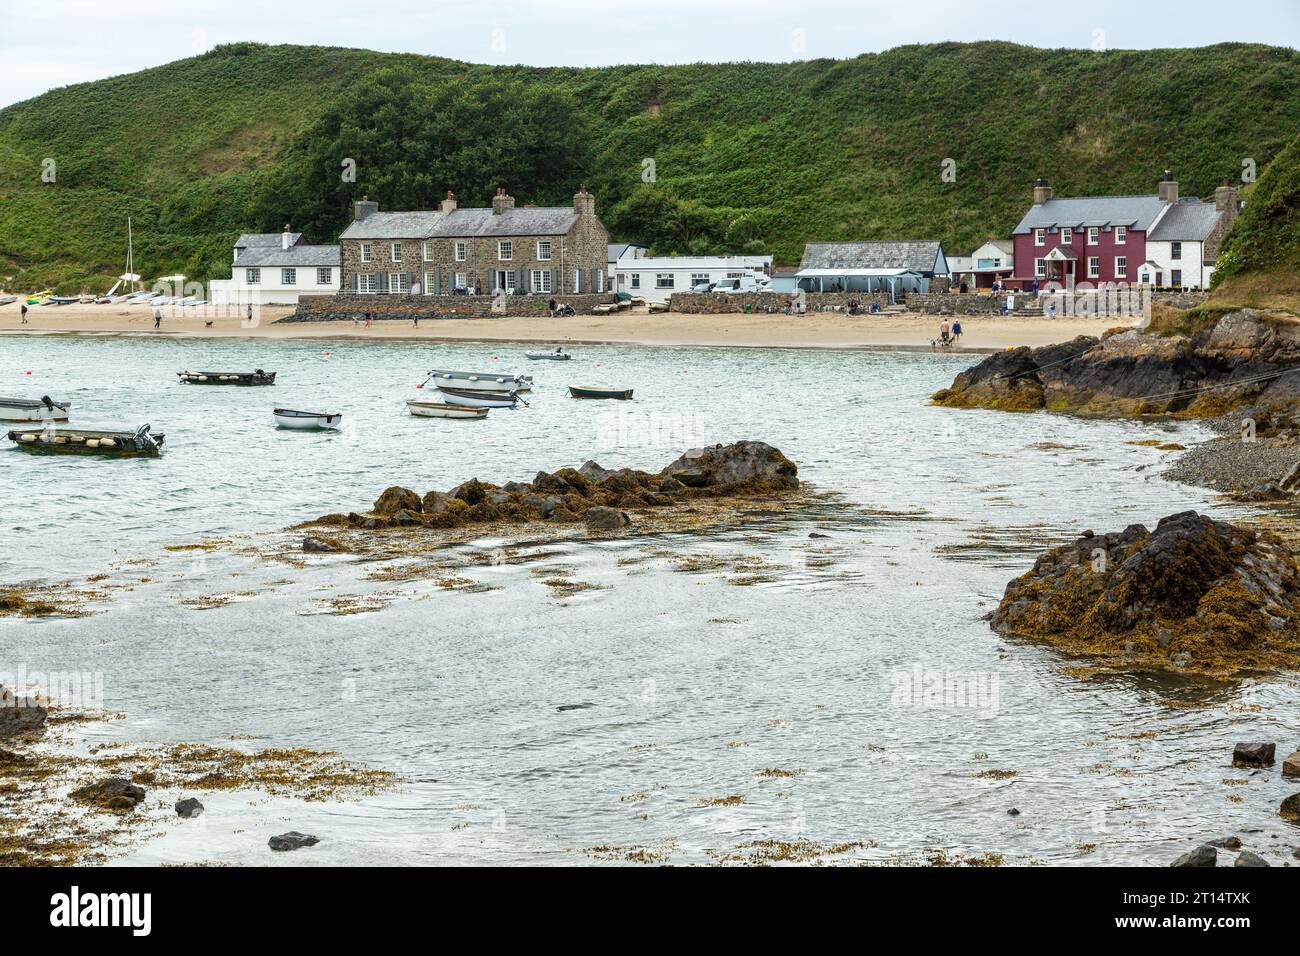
815, 330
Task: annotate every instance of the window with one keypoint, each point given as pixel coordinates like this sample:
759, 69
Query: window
1094, 267
542, 280
430, 282
1175, 251
427, 251
365, 252
1040, 237
1040, 267
1121, 266
636, 280
1121, 235
664, 280
544, 250
253, 276
399, 283
368, 284
505, 250
460, 252
600, 280
577, 280
462, 281
1176, 278
325, 276
1067, 235
699, 278
288, 277
1094, 235
397, 252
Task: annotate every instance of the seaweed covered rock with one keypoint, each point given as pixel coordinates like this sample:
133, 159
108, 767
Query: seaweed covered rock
20, 715
115, 795
749, 463
1194, 593
396, 499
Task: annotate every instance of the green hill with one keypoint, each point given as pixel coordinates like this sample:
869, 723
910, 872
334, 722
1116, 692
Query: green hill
748, 155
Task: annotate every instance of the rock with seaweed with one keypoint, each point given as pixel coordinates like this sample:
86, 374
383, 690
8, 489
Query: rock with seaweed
1193, 365
596, 495
1193, 593
20, 715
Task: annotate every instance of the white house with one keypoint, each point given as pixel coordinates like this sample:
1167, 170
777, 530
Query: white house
657, 277
1177, 255
991, 261
623, 250
275, 268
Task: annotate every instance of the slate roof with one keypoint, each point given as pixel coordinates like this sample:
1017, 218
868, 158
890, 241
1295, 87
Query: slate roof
913, 255
616, 250
1079, 212
1186, 222
392, 225
295, 256
252, 240
520, 221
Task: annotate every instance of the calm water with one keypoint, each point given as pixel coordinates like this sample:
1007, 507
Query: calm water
694, 680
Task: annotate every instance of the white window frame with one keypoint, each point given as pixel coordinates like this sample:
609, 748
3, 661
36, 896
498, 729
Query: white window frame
461, 281
636, 280
288, 276
324, 275
1040, 268
461, 251
600, 280
1094, 267
396, 251
505, 250
542, 281
1121, 235
577, 280
429, 282
1121, 267
397, 283
426, 250
1040, 237
665, 280
1094, 235
252, 276
543, 250
367, 253
367, 283
1067, 235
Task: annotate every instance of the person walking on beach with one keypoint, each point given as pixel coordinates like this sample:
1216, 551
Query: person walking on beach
956, 330
24, 322
157, 317
416, 319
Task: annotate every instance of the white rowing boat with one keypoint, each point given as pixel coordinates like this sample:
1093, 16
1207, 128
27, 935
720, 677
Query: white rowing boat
306, 421
559, 355
481, 381
33, 410
472, 398
441, 410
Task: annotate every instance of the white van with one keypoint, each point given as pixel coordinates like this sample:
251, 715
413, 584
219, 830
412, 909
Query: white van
745, 283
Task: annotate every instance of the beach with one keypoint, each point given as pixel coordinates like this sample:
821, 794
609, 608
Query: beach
832, 330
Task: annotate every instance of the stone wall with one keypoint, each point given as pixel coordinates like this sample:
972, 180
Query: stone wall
982, 303
345, 308
712, 302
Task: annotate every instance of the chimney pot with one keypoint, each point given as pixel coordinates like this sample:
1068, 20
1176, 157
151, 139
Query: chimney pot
502, 201
1168, 188
1042, 191
363, 208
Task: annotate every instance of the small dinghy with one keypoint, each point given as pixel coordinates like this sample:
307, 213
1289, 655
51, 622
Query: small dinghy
622, 394
440, 410
257, 377
31, 410
559, 355
306, 421
471, 398
481, 381
136, 444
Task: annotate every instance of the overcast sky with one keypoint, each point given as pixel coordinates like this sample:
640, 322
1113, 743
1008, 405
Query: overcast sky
50, 43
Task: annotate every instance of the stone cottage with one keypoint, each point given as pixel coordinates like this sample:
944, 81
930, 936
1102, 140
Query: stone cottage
528, 250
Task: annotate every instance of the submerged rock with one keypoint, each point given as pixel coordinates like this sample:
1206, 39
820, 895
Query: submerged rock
189, 807
1193, 593
1204, 855
1253, 755
317, 546
293, 840
116, 794
1246, 858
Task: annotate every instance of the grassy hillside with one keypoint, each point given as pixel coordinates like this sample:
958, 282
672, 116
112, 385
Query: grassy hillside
1259, 265
747, 155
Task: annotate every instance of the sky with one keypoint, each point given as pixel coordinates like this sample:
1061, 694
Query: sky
51, 43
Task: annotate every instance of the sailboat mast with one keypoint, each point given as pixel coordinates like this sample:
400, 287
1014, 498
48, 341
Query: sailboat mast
130, 253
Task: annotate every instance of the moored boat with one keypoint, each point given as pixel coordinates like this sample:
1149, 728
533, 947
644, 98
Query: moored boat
306, 421
473, 398
120, 444
442, 410
481, 381
584, 392
8, 299
257, 377
559, 355
33, 410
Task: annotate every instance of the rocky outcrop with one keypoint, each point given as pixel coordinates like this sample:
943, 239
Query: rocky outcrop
116, 795
293, 840
1194, 593
20, 715
1215, 365
599, 496
1204, 855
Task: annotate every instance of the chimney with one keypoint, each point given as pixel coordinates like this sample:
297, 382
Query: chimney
1226, 202
584, 203
1042, 191
448, 204
363, 208
286, 237
1168, 188
502, 201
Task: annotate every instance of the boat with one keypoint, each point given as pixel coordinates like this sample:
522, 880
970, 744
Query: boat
306, 421
482, 381
583, 392
137, 444
36, 298
33, 410
441, 410
256, 377
474, 398
62, 299
559, 355
7, 299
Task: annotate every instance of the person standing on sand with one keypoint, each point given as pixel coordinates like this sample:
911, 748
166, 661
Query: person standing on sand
157, 317
416, 319
956, 330
24, 322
